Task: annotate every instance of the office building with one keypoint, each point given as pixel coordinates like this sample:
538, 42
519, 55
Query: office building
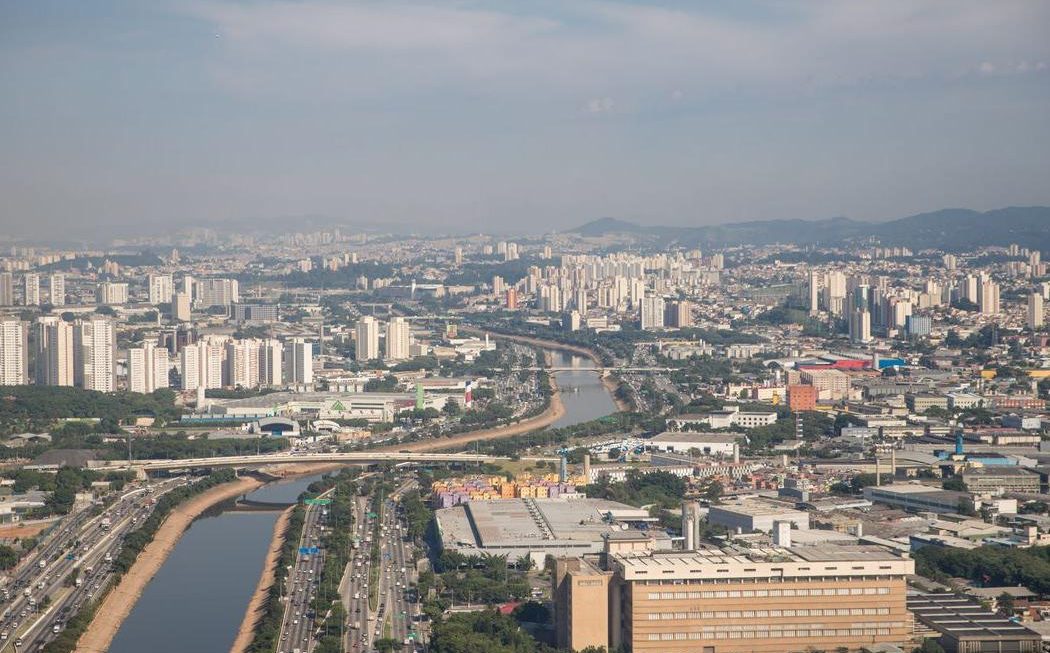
147, 368
7, 289
109, 293
217, 292
54, 363
299, 362
161, 289
768, 600
57, 289
367, 346
1035, 311
918, 326
652, 312
94, 359
181, 307
31, 291
257, 313
14, 355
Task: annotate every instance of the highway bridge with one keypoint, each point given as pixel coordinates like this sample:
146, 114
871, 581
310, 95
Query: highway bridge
595, 369
265, 460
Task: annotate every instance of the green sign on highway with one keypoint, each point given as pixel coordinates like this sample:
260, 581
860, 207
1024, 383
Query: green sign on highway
318, 502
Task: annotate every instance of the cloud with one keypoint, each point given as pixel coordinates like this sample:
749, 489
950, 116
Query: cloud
600, 105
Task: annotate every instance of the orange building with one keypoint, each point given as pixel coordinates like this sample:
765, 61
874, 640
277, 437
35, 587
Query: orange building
802, 397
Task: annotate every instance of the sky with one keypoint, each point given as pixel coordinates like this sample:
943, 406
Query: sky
119, 116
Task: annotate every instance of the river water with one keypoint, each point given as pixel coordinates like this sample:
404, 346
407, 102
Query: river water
198, 598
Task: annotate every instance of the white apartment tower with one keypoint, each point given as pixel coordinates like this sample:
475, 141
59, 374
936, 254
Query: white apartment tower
32, 290
1035, 310
271, 363
54, 362
57, 287
242, 363
218, 292
161, 289
13, 353
367, 347
7, 289
94, 365
147, 368
652, 313
398, 339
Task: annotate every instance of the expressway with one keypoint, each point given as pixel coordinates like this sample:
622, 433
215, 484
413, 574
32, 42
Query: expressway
301, 583
355, 457
69, 569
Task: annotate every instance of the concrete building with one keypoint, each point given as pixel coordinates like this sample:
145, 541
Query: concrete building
802, 397
580, 582
13, 353
1000, 479
770, 600
7, 289
57, 288
161, 289
54, 362
918, 498
147, 368
965, 626
1034, 318
920, 402
181, 307
367, 345
299, 362
111, 294
712, 444
94, 359
242, 364
831, 385
31, 290
652, 312
398, 339
750, 515
217, 292
272, 363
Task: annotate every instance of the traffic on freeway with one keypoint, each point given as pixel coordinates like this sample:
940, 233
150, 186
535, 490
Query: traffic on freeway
69, 569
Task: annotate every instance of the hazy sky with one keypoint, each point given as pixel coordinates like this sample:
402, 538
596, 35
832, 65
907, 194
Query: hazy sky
521, 115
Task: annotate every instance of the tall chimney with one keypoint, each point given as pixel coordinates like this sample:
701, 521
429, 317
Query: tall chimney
587, 467
878, 474
736, 453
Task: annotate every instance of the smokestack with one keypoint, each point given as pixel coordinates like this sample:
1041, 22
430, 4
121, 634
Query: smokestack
878, 475
688, 527
893, 462
736, 453
782, 533
587, 467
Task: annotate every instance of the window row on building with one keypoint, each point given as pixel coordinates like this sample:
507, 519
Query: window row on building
858, 630
753, 614
737, 594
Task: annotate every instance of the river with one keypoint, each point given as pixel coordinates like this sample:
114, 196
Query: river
198, 598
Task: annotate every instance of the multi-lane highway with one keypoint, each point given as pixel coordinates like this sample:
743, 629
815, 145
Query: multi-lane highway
69, 568
301, 583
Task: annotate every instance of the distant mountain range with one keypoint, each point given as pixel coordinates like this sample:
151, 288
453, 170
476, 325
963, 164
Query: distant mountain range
948, 229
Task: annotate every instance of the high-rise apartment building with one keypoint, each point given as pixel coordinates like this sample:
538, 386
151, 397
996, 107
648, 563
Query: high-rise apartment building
54, 361
161, 289
678, 314
652, 312
511, 299
94, 360
299, 362
398, 339
860, 325
190, 366
57, 289
367, 346
31, 289
111, 294
242, 363
1035, 310
14, 355
988, 297
217, 292
272, 363
7, 289
180, 307
147, 368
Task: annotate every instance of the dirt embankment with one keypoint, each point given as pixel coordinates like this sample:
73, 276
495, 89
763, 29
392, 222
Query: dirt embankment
118, 603
262, 590
554, 412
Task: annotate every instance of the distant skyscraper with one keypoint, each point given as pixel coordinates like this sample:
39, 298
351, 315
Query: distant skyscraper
367, 331
397, 339
57, 288
13, 353
1035, 310
299, 362
511, 300
147, 368
54, 362
988, 298
7, 289
678, 314
218, 292
242, 363
190, 366
32, 290
94, 365
457, 256
815, 284
161, 288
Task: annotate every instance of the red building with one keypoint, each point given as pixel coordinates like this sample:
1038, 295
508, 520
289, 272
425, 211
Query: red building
802, 397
